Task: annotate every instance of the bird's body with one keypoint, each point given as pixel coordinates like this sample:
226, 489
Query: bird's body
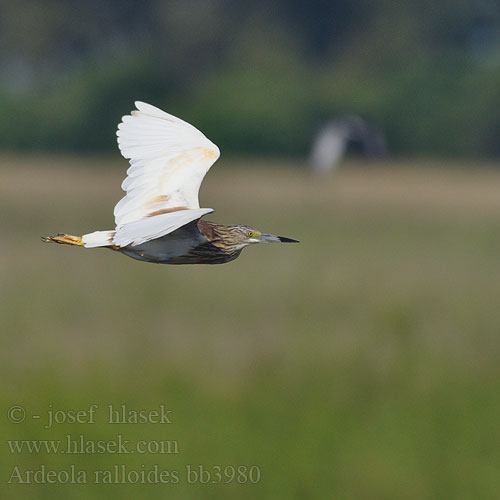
159, 219
199, 242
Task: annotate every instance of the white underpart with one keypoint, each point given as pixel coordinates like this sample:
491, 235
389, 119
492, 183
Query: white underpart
168, 161
98, 239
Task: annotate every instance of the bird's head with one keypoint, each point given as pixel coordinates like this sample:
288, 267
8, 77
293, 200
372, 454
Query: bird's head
243, 236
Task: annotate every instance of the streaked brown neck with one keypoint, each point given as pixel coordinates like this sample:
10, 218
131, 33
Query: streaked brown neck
218, 235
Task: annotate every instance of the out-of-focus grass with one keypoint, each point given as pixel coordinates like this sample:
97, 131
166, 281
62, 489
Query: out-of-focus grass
362, 363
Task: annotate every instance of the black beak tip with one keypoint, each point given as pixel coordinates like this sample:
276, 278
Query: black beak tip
283, 239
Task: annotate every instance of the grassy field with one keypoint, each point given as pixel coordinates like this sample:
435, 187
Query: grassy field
361, 364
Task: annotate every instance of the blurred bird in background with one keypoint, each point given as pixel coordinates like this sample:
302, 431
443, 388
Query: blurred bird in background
333, 138
159, 219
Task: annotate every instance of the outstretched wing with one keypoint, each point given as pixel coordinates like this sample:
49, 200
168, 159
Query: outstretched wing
168, 161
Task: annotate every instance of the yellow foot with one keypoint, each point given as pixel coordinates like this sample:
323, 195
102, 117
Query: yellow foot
64, 239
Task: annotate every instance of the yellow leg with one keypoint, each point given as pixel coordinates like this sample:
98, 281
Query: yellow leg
64, 239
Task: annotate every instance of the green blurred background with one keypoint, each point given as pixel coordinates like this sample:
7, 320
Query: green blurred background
363, 363
427, 71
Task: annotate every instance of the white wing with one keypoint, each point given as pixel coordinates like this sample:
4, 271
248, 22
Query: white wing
168, 161
143, 230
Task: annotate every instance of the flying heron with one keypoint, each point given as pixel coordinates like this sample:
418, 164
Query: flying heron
160, 219
334, 137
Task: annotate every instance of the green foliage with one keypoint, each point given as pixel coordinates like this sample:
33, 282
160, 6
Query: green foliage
258, 77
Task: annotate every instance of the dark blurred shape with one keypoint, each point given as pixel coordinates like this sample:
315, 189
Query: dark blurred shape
334, 138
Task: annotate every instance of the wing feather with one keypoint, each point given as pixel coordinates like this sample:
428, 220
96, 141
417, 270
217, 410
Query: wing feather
168, 161
139, 231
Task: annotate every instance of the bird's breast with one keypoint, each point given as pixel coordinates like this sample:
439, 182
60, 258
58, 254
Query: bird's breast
177, 251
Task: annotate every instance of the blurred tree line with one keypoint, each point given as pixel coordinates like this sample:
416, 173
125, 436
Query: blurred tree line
257, 76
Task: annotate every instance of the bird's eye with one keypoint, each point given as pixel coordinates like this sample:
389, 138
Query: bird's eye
250, 234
